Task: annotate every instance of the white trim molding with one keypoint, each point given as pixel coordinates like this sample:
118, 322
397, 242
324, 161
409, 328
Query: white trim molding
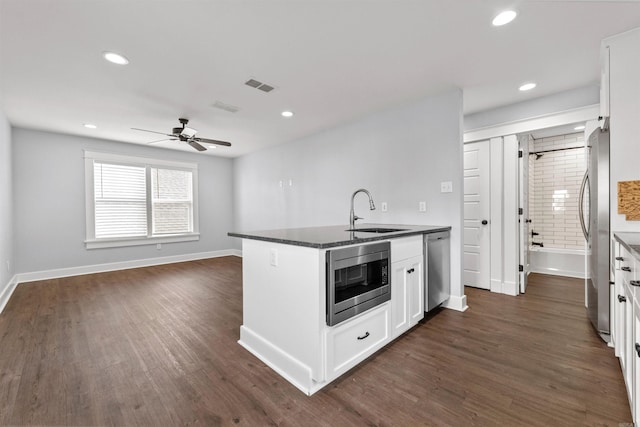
583, 114
7, 291
122, 265
458, 303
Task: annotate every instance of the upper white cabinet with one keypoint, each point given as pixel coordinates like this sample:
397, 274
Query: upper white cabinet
604, 83
620, 99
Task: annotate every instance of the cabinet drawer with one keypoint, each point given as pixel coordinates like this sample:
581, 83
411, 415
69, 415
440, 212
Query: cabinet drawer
350, 343
406, 247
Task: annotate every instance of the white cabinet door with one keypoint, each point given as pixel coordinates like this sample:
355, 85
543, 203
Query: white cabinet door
415, 290
399, 309
407, 294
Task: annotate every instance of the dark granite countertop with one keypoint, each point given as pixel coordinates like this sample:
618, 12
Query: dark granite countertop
335, 235
631, 241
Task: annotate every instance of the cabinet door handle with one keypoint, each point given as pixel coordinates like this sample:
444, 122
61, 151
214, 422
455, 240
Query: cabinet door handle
619, 258
638, 349
411, 270
634, 282
621, 298
364, 336
625, 268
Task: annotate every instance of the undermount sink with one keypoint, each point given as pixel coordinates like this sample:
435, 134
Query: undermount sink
376, 230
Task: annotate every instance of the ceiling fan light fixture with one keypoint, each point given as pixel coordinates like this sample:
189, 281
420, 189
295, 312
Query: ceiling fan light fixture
115, 58
504, 18
188, 132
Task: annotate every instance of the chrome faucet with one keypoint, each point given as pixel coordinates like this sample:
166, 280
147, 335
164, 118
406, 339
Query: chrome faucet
353, 217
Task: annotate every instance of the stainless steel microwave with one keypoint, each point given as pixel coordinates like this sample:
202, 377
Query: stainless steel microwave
358, 279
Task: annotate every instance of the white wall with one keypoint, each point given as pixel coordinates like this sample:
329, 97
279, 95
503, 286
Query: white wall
537, 107
49, 200
400, 155
6, 208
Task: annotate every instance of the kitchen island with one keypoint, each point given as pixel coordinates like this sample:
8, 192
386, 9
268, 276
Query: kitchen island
285, 299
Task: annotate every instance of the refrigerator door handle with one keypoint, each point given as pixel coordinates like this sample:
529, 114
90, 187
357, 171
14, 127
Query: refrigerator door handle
585, 227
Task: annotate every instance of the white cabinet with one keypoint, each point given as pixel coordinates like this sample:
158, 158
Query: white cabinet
407, 284
626, 322
355, 340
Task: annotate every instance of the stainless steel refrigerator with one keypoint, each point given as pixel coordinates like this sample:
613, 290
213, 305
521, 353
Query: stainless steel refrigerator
594, 219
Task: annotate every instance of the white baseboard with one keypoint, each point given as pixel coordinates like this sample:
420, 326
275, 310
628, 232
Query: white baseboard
510, 288
7, 291
294, 371
559, 272
456, 303
122, 265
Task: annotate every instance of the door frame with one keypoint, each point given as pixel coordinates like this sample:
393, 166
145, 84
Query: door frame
504, 210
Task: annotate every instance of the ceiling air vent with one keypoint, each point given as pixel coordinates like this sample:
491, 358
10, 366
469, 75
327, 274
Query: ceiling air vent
259, 85
225, 107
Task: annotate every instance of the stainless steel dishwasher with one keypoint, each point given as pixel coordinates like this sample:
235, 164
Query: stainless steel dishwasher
437, 269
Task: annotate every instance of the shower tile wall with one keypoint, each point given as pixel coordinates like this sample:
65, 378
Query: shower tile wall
554, 185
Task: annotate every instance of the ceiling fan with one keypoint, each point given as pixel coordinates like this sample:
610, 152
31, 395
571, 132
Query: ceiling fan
188, 135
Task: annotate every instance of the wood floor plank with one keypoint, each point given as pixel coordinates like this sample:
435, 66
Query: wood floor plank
158, 346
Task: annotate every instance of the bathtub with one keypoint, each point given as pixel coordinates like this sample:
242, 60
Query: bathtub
559, 262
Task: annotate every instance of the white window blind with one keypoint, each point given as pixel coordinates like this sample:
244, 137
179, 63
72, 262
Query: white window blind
120, 200
133, 201
171, 201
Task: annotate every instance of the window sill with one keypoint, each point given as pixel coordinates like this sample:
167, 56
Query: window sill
140, 241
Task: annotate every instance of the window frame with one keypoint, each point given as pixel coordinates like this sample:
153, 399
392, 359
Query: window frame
91, 242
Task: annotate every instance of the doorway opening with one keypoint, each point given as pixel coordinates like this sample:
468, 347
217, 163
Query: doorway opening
552, 198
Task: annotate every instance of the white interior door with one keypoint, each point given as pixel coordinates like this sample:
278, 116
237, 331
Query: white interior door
523, 190
477, 227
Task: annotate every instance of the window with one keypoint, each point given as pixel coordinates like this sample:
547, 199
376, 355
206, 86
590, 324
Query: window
137, 201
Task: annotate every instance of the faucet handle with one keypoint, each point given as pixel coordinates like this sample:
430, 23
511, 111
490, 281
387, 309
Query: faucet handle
356, 217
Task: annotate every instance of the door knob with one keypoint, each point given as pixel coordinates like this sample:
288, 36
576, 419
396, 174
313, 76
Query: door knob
485, 222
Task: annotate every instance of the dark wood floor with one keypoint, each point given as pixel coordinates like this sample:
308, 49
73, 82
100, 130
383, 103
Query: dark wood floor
157, 346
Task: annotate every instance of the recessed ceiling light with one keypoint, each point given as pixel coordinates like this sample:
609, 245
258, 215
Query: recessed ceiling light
115, 58
504, 18
287, 114
527, 86
90, 126
581, 127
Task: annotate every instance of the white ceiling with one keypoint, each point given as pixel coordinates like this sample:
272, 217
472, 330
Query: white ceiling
331, 61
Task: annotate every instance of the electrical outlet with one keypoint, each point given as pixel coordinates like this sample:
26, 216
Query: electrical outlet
273, 257
422, 206
446, 187
159, 246
383, 206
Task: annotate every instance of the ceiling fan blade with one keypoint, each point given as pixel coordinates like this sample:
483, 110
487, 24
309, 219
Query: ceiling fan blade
153, 131
164, 139
195, 145
213, 141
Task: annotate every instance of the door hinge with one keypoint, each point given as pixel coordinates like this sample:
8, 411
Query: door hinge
520, 211
521, 267
520, 154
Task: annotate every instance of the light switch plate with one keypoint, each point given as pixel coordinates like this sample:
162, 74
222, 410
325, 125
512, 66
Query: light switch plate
446, 187
273, 257
383, 206
422, 206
